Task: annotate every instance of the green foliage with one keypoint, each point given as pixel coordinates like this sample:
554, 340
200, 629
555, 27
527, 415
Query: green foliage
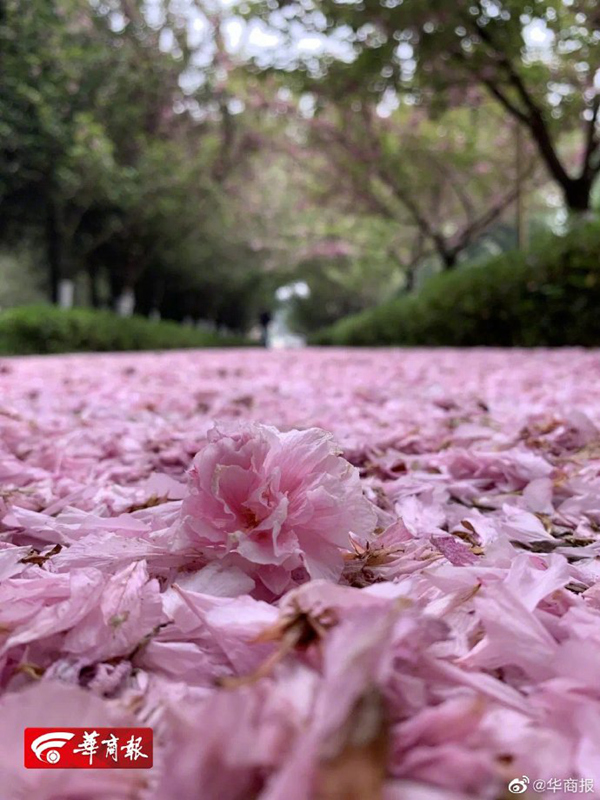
140, 155
44, 329
537, 60
109, 169
549, 297
20, 282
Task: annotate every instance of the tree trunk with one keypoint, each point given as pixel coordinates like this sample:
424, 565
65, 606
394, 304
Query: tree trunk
53, 252
116, 287
520, 224
449, 259
66, 292
158, 294
94, 288
126, 302
577, 193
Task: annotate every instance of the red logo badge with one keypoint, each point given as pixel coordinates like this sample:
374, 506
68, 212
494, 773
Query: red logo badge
88, 748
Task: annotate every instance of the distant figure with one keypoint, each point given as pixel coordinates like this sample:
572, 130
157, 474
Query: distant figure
265, 321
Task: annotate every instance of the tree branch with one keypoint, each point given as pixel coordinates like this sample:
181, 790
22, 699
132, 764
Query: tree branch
533, 116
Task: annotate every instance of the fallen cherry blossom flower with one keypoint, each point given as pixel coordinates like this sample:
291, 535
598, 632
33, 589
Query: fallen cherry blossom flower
275, 504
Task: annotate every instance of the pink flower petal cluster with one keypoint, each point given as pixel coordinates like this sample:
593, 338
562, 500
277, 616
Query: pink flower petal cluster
275, 504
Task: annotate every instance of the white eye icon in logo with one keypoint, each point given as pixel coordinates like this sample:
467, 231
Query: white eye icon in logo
49, 742
518, 785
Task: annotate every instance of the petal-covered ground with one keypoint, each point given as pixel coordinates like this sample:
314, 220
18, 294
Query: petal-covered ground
317, 575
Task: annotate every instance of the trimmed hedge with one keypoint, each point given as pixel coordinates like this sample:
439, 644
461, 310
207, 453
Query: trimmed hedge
46, 329
549, 297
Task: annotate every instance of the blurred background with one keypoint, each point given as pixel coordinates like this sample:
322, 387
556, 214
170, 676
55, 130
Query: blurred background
189, 172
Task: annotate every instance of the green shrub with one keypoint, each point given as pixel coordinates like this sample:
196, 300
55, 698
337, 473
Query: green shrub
549, 297
46, 329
